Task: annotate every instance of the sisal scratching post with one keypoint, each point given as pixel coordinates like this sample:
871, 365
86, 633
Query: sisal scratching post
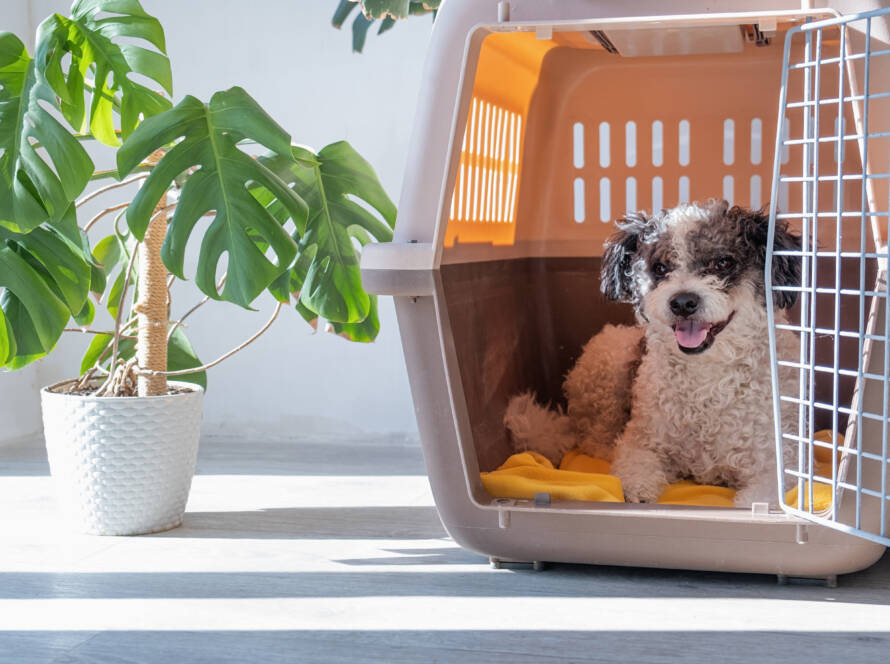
151, 307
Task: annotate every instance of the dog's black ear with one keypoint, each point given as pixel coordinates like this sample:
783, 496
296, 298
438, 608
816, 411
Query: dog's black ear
616, 277
786, 269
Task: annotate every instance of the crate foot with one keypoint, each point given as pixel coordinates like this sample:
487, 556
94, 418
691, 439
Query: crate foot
829, 581
504, 563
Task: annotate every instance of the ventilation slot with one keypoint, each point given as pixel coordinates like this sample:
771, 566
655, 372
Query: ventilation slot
579, 200
630, 195
756, 141
755, 192
728, 192
657, 194
683, 193
728, 142
604, 145
630, 144
605, 202
683, 135
657, 143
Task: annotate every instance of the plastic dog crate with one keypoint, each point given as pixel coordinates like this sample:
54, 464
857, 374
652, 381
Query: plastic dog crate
539, 123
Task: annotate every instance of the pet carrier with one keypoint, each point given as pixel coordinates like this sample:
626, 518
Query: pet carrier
539, 123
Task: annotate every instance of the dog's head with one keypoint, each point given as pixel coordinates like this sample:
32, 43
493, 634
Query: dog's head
691, 269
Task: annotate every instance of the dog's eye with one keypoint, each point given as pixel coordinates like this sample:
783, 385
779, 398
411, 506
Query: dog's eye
724, 264
660, 270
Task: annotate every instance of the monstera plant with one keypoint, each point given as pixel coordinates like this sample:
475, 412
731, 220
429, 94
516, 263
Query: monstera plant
282, 219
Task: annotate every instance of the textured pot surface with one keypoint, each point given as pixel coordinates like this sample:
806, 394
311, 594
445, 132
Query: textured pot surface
123, 465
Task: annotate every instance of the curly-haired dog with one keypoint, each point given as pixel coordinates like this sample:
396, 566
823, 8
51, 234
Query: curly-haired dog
687, 394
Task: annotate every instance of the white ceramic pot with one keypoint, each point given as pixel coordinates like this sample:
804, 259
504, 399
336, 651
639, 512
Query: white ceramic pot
123, 465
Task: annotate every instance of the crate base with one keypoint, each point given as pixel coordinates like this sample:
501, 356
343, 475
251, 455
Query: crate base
701, 541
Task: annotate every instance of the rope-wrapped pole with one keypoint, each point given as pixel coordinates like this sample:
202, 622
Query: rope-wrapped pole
151, 305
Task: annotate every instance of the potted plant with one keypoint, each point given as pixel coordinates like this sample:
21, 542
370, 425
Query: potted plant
122, 438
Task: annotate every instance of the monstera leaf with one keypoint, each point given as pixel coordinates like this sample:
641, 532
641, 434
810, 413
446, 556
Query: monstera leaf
36, 183
332, 183
44, 280
92, 37
242, 228
365, 330
388, 10
397, 8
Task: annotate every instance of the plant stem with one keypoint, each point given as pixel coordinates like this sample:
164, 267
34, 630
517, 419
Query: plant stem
112, 173
116, 337
84, 330
200, 304
124, 329
151, 306
102, 190
114, 208
183, 372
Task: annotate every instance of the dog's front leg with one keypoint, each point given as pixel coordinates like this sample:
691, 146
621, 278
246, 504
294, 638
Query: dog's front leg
641, 471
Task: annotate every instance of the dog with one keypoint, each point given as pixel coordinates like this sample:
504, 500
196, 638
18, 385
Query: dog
687, 393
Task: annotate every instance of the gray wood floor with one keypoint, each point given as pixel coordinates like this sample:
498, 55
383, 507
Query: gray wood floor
331, 551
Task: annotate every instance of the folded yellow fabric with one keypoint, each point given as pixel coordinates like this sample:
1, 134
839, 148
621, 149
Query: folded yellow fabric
575, 460
821, 492
686, 492
581, 477
821, 497
525, 474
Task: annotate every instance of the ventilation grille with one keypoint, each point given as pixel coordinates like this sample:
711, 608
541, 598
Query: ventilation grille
483, 203
661, 177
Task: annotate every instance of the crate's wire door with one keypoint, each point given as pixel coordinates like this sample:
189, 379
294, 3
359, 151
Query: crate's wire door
830, 355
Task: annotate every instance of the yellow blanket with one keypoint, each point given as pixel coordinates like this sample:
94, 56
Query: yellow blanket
581, 477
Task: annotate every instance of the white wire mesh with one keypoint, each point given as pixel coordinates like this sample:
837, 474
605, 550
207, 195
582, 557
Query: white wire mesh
831, 172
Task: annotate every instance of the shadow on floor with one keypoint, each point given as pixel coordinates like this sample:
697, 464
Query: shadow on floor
515, 647
398, 522
301, 457
396, 455
407, 557
560, 581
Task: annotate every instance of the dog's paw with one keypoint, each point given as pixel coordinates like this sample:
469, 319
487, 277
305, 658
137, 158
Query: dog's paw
641, 472
641, 492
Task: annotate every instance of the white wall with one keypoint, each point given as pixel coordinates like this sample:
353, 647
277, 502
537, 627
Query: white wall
287, 56
19, 405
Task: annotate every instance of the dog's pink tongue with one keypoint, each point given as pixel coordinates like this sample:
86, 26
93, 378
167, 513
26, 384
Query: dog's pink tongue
691, 333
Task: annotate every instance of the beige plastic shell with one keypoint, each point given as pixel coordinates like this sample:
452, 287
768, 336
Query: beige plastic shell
488, 256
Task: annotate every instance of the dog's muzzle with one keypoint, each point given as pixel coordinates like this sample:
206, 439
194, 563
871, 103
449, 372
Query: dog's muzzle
696, 336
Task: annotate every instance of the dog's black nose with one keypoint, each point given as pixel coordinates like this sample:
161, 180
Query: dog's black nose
684, 304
